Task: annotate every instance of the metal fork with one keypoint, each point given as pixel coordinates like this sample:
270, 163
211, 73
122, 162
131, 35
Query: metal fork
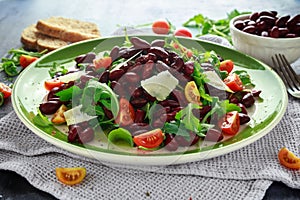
287, 74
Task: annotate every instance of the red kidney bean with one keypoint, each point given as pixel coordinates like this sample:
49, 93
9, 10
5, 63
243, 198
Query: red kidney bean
86, 135
138, 126
139, 116
214, 135
264, 34
114, 53
148, 96
256, 93
169, 102
139, 43
290, 35
128, 52
249, 29
171, 116
239, 24
49, 107
158, 123
148, 69
116, 74
85, 78
137, 93
73, 133
170, 143
141, 60
104, 77
184, 143
244, 110
158, 43
52, 93
151, 56
177, 109
244, 118
261, 26
179, 97
281, 22
79, 59
178, 63
251, 23
160, 111
107, 113
204, 110
131, 77
254, 16
283, 32
268, 13
161, 66
159, 51
188, 68
248, 100
274, 33
138, 102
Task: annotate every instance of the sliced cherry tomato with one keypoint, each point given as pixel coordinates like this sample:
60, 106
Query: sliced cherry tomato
226, 65
5, 90
102, 62
183, 32
26, 60
161, 27
234, 82
191, 93
50, 84
126, 113
150, 139
288, 159
70, 176
230, 124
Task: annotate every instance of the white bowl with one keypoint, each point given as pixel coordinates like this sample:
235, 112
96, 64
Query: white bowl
263, 48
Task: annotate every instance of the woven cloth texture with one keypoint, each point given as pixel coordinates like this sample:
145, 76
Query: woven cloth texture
243, 174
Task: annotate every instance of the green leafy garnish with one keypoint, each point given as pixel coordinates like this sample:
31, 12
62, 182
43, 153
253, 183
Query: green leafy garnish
206, 25
245, 78
68, 94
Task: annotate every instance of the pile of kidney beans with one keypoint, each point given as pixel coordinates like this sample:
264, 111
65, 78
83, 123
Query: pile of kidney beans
147, 60
269, 24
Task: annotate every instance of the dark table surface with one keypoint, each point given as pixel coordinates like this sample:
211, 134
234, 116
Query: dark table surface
15, 15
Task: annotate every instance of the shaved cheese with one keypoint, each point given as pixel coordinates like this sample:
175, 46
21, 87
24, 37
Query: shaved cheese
161, 85
216, 81
74, 116
71, 76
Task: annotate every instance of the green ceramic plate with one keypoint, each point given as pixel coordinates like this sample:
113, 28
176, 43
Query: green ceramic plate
28, 93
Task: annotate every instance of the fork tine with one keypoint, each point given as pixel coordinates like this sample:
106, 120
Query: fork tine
290, 73
277, 67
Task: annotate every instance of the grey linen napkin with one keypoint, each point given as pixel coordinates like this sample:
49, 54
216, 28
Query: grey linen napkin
243, 174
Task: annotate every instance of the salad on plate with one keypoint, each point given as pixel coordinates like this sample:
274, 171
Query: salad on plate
148, 96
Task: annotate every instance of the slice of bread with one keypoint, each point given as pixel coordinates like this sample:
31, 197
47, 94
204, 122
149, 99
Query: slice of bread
35, 41
49, 43
29, 38
66, 29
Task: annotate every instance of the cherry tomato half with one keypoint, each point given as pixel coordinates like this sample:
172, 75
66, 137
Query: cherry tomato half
26, 60
150, 139
230, 124
183, 32
50, 84
70, 176
288, 159
102, 62
161, 27
234, 82
191, 93
5, 90
226, 65
126, 113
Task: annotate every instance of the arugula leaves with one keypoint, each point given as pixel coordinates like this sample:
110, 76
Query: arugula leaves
245, 78
206, 25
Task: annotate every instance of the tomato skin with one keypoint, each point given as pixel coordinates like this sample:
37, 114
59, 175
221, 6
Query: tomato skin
191, 93
126, 114
5, 90
226, 65
50, 84
234, 82
161, 27
70, 176
150, 139
102, 62
288, 159
183, 32
26, 60
230, 124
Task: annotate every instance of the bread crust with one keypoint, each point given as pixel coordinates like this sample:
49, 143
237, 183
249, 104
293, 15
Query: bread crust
66, 29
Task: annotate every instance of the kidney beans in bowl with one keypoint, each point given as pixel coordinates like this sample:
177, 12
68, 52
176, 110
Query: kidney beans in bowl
263, 34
